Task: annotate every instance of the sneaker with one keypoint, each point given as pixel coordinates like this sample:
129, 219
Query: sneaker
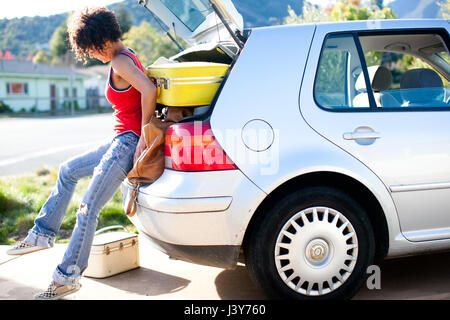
24, 248
57, 292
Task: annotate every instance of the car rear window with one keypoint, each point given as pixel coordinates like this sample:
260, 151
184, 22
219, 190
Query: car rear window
191, 12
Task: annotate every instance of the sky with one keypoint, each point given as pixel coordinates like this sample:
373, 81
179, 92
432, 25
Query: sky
19, 8
324, 3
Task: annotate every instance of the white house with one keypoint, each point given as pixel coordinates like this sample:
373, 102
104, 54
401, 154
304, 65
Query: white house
95, 85
25, 85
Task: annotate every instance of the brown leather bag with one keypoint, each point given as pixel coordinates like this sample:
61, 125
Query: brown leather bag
150, 164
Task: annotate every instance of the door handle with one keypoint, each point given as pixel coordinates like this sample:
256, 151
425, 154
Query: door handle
357, 135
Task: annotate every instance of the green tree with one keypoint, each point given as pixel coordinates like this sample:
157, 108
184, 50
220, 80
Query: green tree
41, 57
59, 42
22, 36
378, 3
341, 11
148, 44
60, 51
344, 11
310, 14
444, 8
123, 18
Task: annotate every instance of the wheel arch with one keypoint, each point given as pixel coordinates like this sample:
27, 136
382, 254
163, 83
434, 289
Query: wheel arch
351, 186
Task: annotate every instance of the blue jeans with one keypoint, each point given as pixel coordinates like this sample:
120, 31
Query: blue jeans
109, 165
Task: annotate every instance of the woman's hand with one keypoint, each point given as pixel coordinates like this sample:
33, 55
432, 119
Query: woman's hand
140, 147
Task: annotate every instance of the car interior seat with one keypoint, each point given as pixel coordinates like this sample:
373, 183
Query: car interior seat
381, 80
422, 87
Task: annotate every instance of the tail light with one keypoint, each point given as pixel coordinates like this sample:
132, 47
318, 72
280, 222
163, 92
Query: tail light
191, 146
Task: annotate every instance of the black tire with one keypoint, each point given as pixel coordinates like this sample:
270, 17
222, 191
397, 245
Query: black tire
261, 245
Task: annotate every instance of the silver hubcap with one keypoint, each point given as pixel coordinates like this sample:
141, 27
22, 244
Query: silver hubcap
316, 251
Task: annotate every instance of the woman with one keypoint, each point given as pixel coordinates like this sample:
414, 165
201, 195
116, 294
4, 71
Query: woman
94, 32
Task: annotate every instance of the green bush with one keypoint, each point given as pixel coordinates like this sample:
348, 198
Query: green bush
4, 108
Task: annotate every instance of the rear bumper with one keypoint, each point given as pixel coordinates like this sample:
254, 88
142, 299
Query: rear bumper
200, 217
185, 205
215, 256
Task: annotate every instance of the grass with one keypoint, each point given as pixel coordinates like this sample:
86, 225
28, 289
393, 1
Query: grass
22, 196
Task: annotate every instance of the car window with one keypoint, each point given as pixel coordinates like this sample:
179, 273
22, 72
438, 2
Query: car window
191, 12
339, 79
408, 70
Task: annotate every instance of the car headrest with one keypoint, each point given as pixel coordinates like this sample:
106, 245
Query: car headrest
415, 81
380, 79
420, 78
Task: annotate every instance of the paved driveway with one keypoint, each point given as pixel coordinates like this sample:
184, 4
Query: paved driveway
423, 277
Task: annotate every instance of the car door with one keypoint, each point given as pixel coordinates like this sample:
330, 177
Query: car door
382, 96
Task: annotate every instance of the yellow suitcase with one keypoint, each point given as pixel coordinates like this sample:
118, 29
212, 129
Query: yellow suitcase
186, 84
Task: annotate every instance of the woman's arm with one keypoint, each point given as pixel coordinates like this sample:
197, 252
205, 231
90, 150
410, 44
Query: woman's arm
126, 69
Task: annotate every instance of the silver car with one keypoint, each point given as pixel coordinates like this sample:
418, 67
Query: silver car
325, 149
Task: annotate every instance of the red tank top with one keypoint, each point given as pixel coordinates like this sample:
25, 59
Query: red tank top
125, 102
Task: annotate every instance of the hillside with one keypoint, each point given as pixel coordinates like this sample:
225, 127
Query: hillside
407, 9
410, 9
25, 35
271, 13
255, 14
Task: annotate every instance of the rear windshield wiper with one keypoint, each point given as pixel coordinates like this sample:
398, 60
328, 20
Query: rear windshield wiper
144, 4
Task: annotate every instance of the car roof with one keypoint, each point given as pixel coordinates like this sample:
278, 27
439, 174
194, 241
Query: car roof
369, 25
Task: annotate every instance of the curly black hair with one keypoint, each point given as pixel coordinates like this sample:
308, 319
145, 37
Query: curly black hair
91, 28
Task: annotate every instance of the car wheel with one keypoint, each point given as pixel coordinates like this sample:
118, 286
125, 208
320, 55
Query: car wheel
315, 243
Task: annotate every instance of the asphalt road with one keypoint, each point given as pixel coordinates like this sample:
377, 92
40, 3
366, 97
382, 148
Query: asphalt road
27, 144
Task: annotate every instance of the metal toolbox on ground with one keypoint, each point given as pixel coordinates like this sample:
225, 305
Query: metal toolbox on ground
186, 84
112, 253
